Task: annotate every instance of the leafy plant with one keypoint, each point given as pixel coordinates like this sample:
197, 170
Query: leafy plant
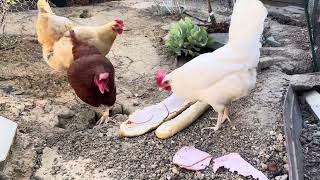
11, 2
188, 38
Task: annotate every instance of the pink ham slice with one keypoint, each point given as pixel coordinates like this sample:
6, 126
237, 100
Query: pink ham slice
190, 158
234, 162
151, 114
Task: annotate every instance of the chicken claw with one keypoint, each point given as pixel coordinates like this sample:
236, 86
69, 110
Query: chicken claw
220, 120
104, 118
226, 117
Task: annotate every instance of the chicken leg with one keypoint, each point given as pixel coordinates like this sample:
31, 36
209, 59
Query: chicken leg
222, 116
105, 117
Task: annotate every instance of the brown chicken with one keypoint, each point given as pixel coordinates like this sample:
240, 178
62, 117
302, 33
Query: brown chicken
91, 75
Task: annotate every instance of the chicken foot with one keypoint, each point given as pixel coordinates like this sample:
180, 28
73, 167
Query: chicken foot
105, 116
222, 117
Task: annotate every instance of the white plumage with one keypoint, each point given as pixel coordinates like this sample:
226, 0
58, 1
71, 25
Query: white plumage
228, 73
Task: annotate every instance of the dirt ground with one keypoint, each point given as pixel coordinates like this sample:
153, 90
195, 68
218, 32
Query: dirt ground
56, 138
310, 140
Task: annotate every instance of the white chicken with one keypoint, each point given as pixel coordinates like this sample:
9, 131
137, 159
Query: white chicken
227, 74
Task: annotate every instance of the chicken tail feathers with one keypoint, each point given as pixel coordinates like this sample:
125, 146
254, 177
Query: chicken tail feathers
247, 21
44, 7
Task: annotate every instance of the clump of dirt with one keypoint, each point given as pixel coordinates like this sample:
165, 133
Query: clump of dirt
310, 140
221, 27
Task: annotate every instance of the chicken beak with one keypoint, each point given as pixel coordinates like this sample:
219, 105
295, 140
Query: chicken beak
101, 88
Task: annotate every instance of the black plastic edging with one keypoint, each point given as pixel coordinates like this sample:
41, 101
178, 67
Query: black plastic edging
293, 127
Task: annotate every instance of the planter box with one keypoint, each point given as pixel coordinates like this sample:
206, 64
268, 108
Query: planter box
293, 121
293, 127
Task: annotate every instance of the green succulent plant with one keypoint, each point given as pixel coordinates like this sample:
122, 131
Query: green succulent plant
11, 2
187, 38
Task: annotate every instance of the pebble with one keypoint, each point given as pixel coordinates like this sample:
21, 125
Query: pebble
286, 167
280, 137
175, 170
135, 103
264, 166
143, 166
273, 133
272, 42
283, 177
66, 114
272, 167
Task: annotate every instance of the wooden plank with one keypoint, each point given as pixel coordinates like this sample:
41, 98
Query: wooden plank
7, 134
313, 100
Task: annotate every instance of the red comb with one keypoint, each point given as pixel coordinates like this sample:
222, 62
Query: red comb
120, 22
160, 75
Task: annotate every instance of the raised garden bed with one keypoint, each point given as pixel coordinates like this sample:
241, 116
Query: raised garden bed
301, 129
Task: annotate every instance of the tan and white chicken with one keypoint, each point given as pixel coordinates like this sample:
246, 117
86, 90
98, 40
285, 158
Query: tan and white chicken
53, 34
50, 27
227, 74
102, 37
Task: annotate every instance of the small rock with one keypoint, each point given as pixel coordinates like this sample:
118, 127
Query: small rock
117, 109
85, 14
66, 114
100, 135
264, 166
286, 167
135, 103
283, 177
7, 89
175, 170
143, 166
273, 133
272, 167
280, 137
272, 42
19, 92
316, 134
